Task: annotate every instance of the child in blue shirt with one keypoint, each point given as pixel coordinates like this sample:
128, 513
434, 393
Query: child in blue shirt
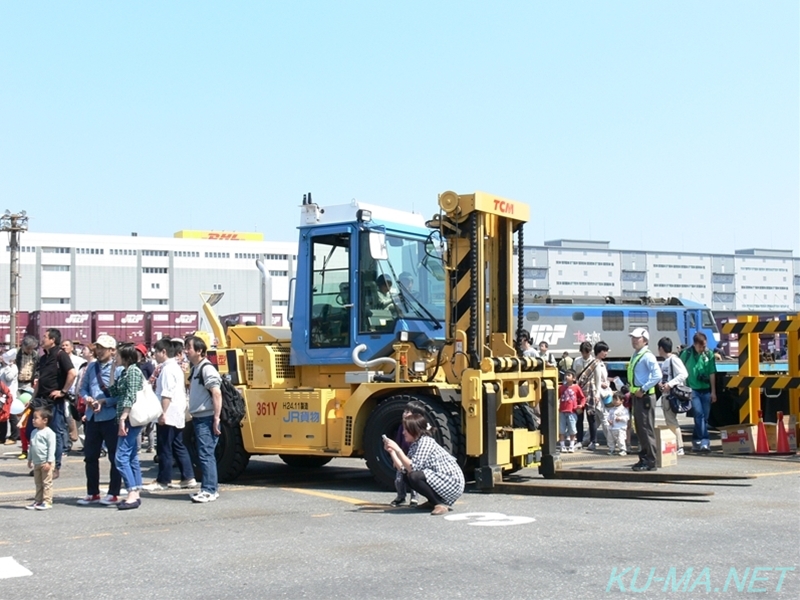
42, 457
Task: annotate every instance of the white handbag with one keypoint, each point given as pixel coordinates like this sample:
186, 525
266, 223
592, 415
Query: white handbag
146, 408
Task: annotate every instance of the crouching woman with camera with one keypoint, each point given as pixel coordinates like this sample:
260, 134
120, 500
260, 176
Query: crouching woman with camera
428, 468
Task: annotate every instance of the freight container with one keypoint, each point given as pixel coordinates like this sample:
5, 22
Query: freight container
171, 323
241, 319
5, 327
75, 326
123, 326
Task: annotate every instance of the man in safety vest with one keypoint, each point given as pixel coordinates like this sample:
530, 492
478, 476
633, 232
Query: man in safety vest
643, 375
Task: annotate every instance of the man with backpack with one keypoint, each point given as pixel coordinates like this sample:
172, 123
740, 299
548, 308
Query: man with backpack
205, 406
100, 423
702, 368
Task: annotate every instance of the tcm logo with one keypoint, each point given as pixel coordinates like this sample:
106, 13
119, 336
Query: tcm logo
185, 319
132, 319
507, 208
547, 333
77, 318
213, 235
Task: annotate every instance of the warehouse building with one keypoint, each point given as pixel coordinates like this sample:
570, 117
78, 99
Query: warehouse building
104, 272
99, 272
753, 280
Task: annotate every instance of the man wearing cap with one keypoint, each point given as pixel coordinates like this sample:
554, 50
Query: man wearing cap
643, 375
101, 421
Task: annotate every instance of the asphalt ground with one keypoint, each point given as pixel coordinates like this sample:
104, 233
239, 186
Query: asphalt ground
330, 533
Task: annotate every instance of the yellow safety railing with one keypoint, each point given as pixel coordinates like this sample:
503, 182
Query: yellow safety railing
749, 381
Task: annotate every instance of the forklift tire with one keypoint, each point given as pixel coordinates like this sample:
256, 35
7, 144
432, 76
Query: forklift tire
386, 420
231, 456
305, 462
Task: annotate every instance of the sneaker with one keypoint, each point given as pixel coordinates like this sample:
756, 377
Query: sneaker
397, 501
204, 497
44, 506
705, 449
645, 467
571, 449
22, 456
32, 506
413, 502
89, 499
592, 446
611, 453
123, 492
185, 484
623, 453
155, 487
109, 500
10, 442
680, 452
562, 448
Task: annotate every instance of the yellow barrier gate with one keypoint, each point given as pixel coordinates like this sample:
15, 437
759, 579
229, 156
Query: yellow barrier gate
749, 381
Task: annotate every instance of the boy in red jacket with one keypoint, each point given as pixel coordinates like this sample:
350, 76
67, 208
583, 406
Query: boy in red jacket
571, 399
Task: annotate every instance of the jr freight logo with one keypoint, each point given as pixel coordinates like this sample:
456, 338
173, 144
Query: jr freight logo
132, 319
551, 334
185, 319
77, 318
5, 319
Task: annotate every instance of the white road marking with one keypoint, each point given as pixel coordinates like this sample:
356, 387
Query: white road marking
10, 568
490, 519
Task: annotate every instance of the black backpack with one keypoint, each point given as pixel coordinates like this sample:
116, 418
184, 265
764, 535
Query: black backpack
233, 407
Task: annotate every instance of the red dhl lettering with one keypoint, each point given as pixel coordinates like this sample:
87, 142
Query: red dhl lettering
223, 236
507, 208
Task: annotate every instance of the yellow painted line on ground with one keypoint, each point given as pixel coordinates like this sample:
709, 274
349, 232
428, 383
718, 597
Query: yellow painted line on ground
774, 473
347, 499
69, 489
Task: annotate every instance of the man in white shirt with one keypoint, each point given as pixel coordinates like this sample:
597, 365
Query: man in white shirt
171, 390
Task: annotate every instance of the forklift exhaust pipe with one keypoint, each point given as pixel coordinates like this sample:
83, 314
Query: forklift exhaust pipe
370, 363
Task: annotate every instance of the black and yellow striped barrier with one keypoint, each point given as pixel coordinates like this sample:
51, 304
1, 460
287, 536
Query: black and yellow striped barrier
749, 381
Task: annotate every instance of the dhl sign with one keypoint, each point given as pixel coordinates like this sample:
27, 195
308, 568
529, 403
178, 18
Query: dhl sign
231, 236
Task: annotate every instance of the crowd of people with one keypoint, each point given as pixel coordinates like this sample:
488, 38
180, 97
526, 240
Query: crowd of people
59, 390
49, 391
587, 396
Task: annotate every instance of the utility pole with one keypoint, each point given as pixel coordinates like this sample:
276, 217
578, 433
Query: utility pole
14, 224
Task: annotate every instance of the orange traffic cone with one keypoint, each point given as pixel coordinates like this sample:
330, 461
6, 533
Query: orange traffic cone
783, 437
762, 445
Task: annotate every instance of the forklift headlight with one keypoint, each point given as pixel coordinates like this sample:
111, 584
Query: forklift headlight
364, 216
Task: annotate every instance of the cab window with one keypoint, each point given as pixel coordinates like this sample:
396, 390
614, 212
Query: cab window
330, 291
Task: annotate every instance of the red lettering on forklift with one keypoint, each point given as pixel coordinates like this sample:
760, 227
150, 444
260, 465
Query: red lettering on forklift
504, 207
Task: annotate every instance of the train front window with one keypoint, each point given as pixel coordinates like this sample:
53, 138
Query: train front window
708, 321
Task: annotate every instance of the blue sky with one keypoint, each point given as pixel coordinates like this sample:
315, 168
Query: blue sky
653, 125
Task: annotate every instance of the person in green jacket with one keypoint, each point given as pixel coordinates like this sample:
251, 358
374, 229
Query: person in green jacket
699, 361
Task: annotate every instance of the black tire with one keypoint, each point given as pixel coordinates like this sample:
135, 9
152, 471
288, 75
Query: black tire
305, 462
525, 417
231, 456
386, 420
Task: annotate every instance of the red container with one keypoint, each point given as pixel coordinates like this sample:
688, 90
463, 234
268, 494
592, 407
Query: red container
123, 326
75, 326
5, 327
171, 324
242, 319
